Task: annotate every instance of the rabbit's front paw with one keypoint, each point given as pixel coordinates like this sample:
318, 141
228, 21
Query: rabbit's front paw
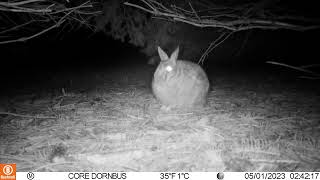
165, 108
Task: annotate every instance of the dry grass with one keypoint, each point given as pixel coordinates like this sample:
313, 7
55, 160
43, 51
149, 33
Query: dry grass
113, 123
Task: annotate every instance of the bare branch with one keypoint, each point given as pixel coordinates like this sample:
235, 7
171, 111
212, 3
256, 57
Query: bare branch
22, 39
232, 18
302, 68
19, 3
17, 27
213, 45
195, 13
139, 7
40, 14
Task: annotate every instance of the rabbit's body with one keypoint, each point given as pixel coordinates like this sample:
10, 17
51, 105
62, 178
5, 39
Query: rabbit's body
178, 83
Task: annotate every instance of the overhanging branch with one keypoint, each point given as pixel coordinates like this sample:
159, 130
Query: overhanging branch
40, 16
231, 18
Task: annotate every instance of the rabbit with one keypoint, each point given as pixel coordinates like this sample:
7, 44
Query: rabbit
179, 83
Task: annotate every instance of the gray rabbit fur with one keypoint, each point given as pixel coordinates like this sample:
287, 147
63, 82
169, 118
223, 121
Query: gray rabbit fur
179, 83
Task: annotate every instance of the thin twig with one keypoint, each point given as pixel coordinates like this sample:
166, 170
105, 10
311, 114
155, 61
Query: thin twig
310, 66
139, 7
214, 45
205, 54
35, 35
17, 27
195, 13
294, 67
19, 3
74, 8
28, 116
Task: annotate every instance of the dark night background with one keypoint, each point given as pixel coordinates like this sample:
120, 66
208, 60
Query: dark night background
82, 50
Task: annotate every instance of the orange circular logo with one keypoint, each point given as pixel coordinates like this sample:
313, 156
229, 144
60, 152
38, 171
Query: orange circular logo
7, 170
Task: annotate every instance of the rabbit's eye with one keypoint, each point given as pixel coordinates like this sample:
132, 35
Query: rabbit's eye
169, 68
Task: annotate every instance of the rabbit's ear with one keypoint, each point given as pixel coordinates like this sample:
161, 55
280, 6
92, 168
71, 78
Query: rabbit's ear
162, 54
174, 55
